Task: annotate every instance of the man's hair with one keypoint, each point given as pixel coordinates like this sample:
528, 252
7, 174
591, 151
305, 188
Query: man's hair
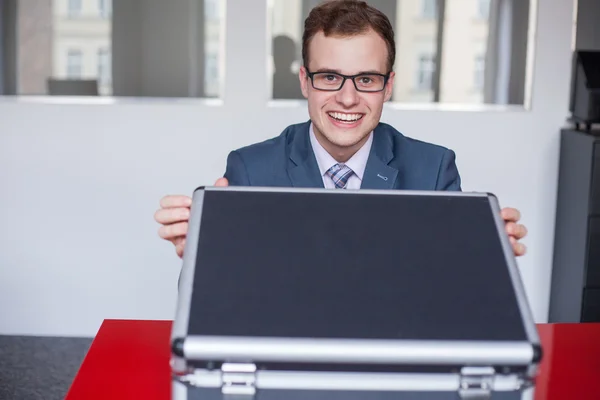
347, 18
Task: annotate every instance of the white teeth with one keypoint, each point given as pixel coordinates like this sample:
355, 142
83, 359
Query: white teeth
346, 117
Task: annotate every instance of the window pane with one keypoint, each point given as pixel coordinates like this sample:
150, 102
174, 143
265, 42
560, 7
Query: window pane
449, 51
118, 47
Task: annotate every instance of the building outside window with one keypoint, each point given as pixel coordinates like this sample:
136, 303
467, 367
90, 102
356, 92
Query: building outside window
479, 74
74, 64
74, 8
211, 11
211, 75
104, 67
425, 71
429, 9
105, 8
483, 9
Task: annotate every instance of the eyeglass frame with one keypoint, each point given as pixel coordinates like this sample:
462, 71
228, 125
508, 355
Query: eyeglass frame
386, 78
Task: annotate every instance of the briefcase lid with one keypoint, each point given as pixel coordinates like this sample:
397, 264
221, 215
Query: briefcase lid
383, 279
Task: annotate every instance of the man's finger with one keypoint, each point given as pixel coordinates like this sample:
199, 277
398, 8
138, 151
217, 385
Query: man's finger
511, 214
170, 232
517, 230
520, 249
171, 215
222, 182
175, 201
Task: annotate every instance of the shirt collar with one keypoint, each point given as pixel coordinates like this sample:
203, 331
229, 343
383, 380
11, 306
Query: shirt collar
358, 162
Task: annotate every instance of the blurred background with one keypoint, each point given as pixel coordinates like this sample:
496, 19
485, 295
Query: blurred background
106, 106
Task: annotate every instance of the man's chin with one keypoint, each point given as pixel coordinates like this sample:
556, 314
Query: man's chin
343, 140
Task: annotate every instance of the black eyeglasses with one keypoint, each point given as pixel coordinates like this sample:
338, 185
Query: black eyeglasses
332, 81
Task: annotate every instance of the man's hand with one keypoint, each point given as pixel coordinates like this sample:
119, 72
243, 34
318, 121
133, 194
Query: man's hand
173, 215
516, 231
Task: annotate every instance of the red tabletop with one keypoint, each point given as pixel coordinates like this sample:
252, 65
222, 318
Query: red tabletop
130, 360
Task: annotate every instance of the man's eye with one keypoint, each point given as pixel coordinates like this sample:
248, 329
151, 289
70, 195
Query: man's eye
330, 78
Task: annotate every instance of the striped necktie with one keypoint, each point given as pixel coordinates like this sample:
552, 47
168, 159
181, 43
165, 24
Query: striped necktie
340, 174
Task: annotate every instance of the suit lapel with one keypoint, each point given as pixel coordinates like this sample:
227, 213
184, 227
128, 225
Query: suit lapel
303, 171
378, 173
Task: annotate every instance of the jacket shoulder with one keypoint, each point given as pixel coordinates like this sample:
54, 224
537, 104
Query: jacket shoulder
264, 163
424, 165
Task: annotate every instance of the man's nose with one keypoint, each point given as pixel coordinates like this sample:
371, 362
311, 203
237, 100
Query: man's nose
348, 95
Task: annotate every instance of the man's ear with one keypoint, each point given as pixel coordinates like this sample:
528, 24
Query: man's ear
389, 86
303, 76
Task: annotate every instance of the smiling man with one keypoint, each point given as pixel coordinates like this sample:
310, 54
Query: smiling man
347, 76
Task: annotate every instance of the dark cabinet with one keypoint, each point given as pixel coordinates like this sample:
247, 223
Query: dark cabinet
575, 283
595, 200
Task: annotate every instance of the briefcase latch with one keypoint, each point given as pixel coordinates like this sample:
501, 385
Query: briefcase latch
238, 381
476, 383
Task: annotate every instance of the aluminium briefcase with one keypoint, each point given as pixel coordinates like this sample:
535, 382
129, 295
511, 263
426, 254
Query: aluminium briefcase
340, 294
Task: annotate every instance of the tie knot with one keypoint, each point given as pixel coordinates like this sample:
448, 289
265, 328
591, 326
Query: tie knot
340, 174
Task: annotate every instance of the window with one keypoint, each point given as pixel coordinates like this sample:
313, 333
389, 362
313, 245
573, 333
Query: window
74, 64
425, 71
105, 8
429, 9
104, 67
73, 40
483, 9
479, 72
74, 8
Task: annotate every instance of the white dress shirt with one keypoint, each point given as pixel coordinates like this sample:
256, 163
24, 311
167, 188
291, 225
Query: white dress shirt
356, 163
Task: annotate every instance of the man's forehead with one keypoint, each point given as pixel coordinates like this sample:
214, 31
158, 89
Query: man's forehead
365, 52
368, 36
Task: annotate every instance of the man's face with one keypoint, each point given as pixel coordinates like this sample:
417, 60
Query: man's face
343, 119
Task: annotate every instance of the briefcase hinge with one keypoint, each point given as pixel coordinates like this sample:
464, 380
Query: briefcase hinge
238, 381
476, 383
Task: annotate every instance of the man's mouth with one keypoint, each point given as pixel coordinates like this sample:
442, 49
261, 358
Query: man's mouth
345, 118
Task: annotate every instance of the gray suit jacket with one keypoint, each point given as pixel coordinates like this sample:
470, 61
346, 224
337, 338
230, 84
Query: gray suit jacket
395, 162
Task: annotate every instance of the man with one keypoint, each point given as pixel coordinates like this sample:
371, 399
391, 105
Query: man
347, 75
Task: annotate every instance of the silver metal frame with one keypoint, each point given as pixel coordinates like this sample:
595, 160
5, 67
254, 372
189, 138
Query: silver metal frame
355, 351
350, 381
414, 352
513, 269
186, 279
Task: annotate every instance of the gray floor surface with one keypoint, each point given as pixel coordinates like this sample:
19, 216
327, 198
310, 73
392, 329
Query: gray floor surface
33, 368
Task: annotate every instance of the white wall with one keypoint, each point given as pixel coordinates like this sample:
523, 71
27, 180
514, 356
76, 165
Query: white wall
80, 183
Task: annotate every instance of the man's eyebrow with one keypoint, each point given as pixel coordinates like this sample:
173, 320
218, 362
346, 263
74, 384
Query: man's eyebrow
371, 72
337, 71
